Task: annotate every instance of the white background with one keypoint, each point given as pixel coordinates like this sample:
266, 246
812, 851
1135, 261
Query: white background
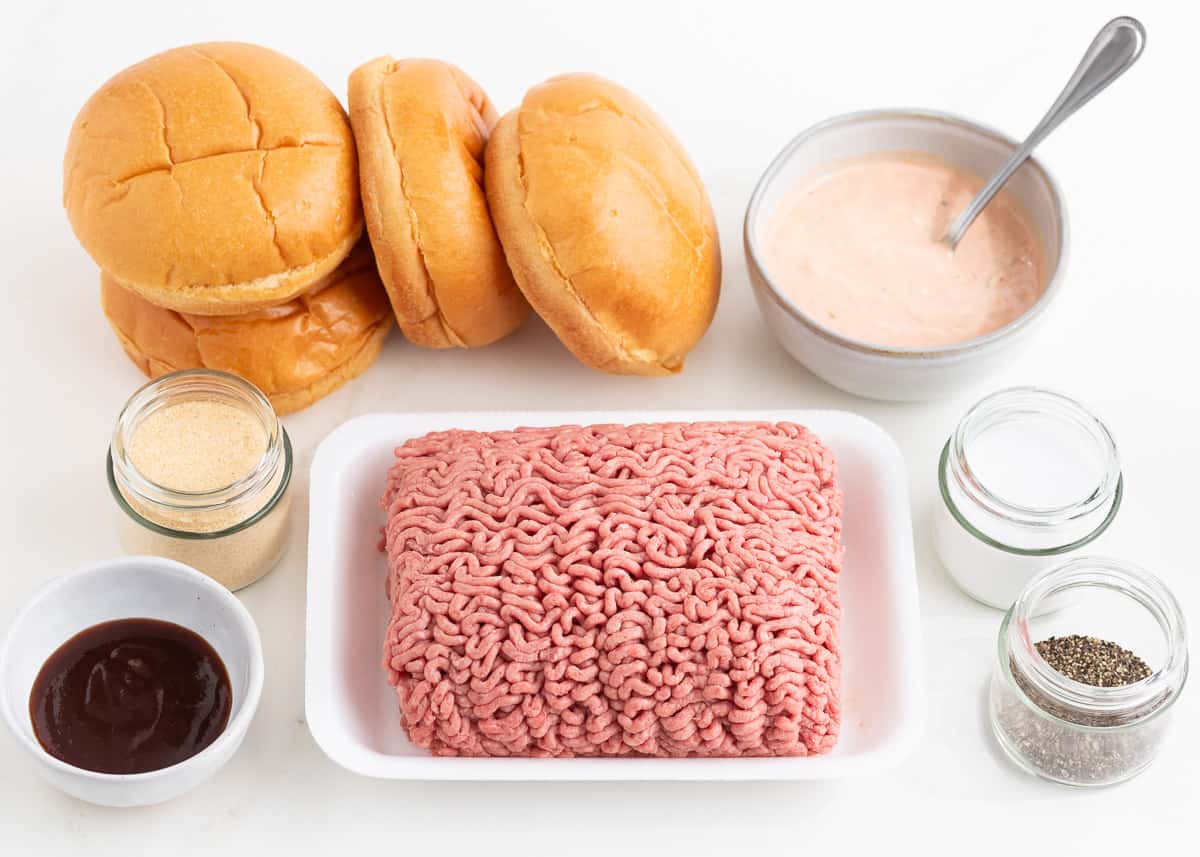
735, 80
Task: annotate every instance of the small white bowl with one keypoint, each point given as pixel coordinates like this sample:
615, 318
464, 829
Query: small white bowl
888, 372
131, 587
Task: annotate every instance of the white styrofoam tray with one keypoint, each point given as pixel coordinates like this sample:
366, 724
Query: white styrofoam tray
354, 715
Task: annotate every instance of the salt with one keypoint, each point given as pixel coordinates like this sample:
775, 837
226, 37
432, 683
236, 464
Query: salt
1036, 463
1027, 477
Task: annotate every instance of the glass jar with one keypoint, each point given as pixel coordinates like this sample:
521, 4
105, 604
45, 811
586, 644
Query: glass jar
234, 533
1076, 733
1028, 477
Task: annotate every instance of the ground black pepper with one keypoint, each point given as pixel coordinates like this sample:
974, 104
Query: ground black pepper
1054, 747
1093, 661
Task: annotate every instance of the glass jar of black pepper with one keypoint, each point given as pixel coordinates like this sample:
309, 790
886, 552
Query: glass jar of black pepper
1050, 710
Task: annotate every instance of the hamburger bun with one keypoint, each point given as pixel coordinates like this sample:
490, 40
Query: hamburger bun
216, 178
605, 223
294, 352
421, 127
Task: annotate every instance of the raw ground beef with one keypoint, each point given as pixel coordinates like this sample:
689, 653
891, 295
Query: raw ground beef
663, 589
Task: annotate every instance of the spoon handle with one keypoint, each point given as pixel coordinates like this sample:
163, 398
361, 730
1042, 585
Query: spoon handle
1115, 48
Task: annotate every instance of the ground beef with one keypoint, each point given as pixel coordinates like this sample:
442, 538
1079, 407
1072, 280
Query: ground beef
663, 589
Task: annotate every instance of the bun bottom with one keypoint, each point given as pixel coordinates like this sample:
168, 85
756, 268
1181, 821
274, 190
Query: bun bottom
295, 353
241, 298
283, 403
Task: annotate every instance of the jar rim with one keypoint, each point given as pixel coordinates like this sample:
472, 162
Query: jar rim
971, 529
138, 518
1014, 403
1125, 704
183, 386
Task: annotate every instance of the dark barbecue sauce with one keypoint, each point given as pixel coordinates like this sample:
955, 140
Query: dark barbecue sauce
130, 696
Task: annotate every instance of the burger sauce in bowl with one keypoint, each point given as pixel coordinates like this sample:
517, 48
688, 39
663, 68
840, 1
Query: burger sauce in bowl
857, 247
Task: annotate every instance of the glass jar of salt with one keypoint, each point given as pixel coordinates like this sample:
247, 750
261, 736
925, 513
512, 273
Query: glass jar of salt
1083, 695
200, 467
1028, 477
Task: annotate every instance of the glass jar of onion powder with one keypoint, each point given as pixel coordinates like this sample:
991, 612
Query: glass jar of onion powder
200, 468
1029, 477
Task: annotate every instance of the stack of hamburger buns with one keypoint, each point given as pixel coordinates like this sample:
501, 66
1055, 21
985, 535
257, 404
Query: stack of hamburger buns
223, 191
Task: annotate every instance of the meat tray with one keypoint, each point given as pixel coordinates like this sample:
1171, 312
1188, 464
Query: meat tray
353, 712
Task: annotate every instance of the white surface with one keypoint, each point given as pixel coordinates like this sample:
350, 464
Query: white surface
352, 711
902, 374
144, 587
736, 80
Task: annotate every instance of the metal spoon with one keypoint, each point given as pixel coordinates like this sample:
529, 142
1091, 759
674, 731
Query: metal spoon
1115, 48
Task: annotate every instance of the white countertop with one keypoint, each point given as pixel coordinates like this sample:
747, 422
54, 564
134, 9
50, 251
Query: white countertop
735, 81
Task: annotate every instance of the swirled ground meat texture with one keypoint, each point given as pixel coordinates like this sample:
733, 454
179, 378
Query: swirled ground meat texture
662, 590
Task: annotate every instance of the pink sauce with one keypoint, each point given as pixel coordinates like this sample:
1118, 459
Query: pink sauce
857, 248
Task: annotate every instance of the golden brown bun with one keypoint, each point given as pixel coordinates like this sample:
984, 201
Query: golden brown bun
421, 127
217, 178
605, 223
295, 352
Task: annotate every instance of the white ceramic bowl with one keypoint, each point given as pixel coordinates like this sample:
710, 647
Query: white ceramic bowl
131, 587
887, 372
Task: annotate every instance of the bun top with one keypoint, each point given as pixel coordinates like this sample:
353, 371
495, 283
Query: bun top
421, 126
606, 224
214, 178
294, 352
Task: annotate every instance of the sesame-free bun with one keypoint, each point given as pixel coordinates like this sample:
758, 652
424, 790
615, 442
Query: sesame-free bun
216, 178
421, 127
605, 223
294, 352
